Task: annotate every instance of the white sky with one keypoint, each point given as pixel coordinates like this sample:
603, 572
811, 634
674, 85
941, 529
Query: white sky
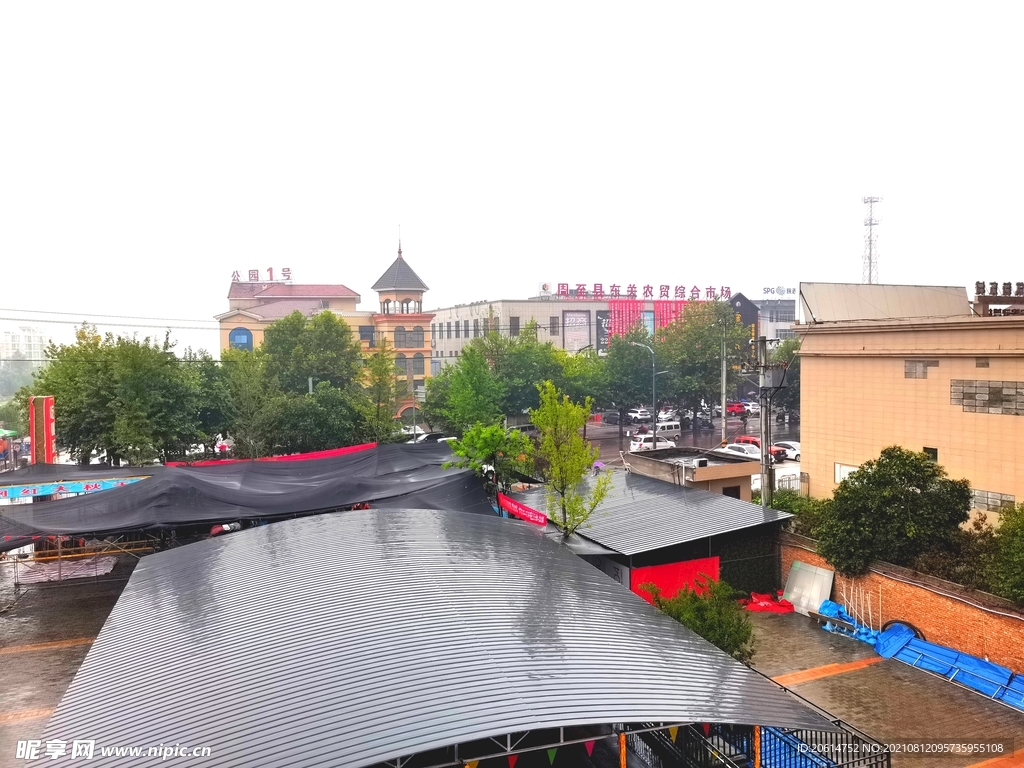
148, 150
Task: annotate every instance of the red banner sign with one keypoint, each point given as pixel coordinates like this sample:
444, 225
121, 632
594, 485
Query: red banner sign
521, 511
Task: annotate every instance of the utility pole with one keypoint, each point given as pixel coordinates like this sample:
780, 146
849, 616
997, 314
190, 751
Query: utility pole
654, 396
763, 399
725, 436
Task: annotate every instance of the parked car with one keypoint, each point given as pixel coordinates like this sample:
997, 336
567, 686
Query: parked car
735, 409
752, 408
429, 437
646, 443
744, 450
638, 414
778, 454
610, 417
668, 414
791, 447
669, 429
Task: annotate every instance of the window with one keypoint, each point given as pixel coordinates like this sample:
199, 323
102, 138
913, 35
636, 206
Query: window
366, 334
932, 454
458, 330
476, 328
417, 364
843, 471
918, 369
386, 306
400, 364
465, 328
401, 338
993, 397
416, 337
433, 334
405, 307
732, 491
325, 304
449, 330
240, 338
513, 326
553, 325
981, 362
991, 501
487, 325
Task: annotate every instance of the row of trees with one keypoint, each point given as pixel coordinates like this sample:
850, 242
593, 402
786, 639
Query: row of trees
135, 400
496, 376
902, 508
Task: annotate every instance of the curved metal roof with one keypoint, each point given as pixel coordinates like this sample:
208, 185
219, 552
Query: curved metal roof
356, 638
641, 514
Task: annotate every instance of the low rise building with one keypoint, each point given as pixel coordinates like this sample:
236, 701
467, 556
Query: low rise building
919, 371
399, 317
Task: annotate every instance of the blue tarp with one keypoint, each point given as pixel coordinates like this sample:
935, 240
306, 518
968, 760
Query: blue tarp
993, 680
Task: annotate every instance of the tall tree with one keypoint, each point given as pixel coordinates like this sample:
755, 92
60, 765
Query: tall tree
474, 393
1008, 566
15, 373
713, 612
787, 353
331, 417
383, 391
893, 508
506, 451
436, 411
691, 350
567, 459
322, 348
521, 364
255, 403
627, 373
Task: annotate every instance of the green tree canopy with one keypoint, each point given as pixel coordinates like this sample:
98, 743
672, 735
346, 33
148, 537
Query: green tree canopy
507, 451
627, 374
713, 612
474, 394
1008, 567
787, 353
893, 508
255, 403
383, 391
567, 459
321, 347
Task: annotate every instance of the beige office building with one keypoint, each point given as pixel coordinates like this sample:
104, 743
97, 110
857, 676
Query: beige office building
911, 366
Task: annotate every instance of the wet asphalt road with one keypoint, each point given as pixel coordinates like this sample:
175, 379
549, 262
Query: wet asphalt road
45, 632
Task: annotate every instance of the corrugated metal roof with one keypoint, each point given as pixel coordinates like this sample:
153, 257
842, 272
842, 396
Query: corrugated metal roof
399, 277
640, 514
356, 638
837, 302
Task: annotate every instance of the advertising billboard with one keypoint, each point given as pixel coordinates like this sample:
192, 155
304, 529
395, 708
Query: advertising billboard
576, 329
604, 330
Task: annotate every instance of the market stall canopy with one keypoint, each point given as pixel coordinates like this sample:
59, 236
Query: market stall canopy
407, 631
385, 476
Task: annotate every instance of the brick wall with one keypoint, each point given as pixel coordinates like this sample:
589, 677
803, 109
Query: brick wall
944, 620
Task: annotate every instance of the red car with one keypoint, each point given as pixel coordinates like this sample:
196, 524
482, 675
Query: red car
735, 409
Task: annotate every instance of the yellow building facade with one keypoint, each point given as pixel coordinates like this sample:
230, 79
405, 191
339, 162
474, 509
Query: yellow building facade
399, 317
952, 387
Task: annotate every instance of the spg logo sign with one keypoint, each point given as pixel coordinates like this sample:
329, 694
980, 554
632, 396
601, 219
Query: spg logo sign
780, 291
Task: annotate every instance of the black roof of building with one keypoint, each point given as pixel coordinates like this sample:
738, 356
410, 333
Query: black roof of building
358, 638
400, 277
641, 514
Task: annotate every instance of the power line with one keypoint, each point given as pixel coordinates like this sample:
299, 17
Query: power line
118, 325
120, 317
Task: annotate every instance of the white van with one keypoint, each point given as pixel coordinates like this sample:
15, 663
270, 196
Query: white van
668, 429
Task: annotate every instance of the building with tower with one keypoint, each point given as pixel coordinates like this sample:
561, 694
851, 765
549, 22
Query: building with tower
399, 317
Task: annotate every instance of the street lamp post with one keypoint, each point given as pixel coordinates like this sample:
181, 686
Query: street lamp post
654, 396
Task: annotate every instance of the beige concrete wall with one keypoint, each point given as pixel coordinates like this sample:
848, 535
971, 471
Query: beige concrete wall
856, 399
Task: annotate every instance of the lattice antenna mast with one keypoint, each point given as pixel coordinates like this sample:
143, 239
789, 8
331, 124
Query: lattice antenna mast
871, 241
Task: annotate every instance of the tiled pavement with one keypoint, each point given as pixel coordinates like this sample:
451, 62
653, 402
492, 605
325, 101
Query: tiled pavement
888, 700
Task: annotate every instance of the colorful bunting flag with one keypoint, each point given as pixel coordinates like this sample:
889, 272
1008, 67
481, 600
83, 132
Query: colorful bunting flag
551, 756
472, 764
512, 761
707, 728
589, 745
674, 731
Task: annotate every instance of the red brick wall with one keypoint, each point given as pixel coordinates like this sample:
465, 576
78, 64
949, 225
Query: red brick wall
943, 620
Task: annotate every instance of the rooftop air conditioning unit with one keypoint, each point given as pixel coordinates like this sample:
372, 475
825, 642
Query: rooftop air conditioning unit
700, 463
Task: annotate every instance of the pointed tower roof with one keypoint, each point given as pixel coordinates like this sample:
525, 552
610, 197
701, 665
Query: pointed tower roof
400, 277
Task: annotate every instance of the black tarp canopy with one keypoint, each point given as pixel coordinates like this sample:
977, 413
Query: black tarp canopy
386, 476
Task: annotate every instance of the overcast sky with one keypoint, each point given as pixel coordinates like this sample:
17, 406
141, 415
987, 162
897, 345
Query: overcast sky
151, 149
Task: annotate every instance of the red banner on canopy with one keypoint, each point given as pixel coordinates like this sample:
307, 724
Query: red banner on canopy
523, 512
291, 457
